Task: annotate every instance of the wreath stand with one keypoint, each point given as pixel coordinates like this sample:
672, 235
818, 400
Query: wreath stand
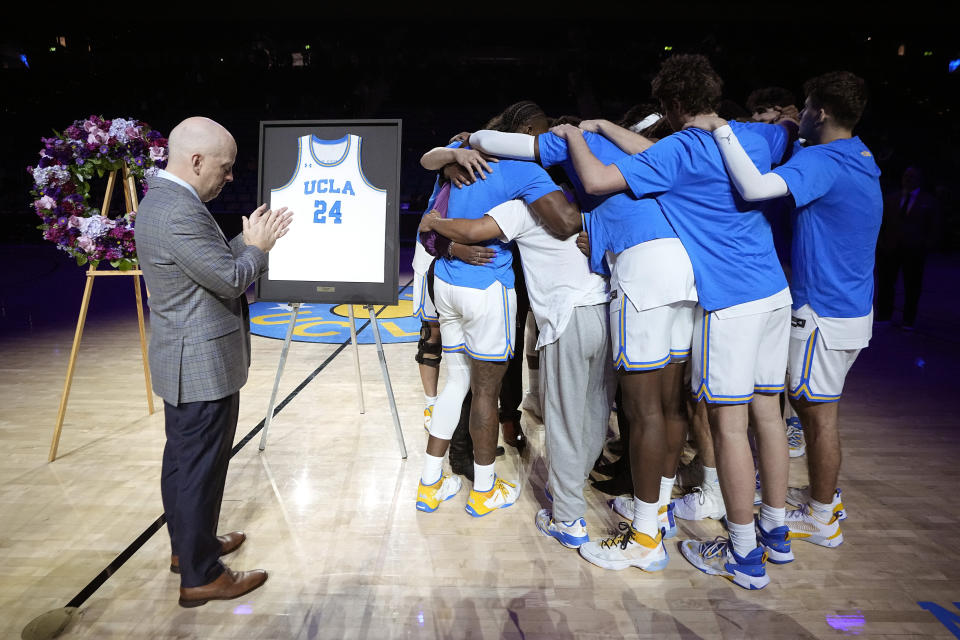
130, 196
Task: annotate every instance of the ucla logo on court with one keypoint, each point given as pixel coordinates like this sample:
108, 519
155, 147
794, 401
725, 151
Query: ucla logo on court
330, 323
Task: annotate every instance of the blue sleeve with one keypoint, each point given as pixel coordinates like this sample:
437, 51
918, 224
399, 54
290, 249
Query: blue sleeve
655, 170
553, 149
809, 175
528, 181
776, 137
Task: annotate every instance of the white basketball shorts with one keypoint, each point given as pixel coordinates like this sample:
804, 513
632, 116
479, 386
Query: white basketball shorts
816, 372
423, 306
478, 322
652, 338
733, 358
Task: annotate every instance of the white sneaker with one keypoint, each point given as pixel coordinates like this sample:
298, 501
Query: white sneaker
569, 534
531, 404
805, 526
623, 506
799, 496
704, 501
629, 548
795, 440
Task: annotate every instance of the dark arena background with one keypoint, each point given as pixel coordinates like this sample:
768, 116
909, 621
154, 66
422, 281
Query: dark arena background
329, 505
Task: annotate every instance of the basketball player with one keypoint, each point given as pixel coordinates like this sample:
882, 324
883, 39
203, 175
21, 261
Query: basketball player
651, 319
476, 305
834, 183
429, 351
743, 321
570, 306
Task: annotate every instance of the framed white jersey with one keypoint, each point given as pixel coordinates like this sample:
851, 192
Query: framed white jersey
341, 181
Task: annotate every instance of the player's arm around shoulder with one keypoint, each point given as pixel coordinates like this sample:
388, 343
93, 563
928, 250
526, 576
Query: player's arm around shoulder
597, 178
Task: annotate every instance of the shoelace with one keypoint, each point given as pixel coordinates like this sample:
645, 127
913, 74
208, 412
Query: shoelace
700, 497
622, 539
500, 486
794, 436
715, 548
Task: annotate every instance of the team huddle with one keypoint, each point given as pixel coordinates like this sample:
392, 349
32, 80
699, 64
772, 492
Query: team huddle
649, 264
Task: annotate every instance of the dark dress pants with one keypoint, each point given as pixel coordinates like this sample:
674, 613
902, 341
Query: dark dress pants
889, 264
195, 458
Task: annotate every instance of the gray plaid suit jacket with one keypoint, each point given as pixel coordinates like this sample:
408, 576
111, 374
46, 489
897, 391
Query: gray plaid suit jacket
199, 321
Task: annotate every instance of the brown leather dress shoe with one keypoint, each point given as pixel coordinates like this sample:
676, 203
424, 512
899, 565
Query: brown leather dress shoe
228, 544
230, 584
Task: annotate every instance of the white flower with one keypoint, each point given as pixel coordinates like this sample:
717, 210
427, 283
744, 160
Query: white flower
118, 129
52, 176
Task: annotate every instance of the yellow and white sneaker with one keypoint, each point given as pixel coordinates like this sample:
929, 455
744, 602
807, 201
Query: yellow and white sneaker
623, 505
502, 495
429, 496
427, 418
799, 496
629, 548
805, 526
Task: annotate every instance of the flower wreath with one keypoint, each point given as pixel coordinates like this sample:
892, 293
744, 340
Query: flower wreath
61, 186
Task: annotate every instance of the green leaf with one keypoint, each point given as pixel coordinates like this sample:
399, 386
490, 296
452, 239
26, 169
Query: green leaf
81, 260
125, 265
114, 263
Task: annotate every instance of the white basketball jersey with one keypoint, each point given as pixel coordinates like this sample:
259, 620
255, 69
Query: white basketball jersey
339, 222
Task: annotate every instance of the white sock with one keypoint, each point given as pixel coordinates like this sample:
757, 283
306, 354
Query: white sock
666, 490
771, 518
483, 475
822, 512
432, 469
645, 517
710, 475
743, 537
430, 400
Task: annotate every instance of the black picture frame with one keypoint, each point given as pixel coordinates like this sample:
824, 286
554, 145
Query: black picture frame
380, 160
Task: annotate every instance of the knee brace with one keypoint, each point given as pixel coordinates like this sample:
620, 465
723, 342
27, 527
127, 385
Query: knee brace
425, 348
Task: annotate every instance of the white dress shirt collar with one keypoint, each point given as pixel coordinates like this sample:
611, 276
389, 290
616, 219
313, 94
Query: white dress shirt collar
166, 175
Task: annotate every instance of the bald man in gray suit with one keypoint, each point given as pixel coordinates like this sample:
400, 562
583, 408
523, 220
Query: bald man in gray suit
200, 346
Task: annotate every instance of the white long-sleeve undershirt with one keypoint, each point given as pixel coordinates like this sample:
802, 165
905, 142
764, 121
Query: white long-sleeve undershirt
748, 180
518, 146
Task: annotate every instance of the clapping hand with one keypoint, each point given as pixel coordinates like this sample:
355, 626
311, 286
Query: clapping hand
264, 227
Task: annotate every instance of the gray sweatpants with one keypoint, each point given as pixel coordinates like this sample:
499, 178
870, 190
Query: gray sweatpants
577, 384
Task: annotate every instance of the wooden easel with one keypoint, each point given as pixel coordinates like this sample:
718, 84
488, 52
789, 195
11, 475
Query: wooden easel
130, 196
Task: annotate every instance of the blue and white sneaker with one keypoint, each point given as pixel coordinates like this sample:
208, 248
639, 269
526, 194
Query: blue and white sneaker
569, 534
776, 543
718, 558
623, 506
795, 440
